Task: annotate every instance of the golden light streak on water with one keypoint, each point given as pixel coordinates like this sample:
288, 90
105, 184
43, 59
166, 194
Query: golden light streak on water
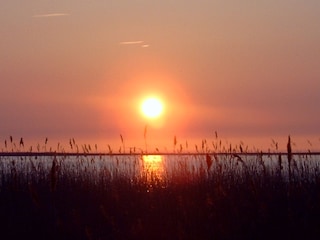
153, 169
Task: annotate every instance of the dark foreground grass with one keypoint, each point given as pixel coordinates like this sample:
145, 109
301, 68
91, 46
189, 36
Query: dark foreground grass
235, 200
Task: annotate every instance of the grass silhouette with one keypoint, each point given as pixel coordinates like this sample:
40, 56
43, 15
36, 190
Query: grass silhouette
205, 195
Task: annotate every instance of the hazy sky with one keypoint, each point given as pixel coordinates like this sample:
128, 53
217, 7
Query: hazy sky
79, 68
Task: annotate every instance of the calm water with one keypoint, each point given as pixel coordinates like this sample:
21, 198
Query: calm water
159, 167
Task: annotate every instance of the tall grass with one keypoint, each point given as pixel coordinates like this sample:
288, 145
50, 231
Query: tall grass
217, 193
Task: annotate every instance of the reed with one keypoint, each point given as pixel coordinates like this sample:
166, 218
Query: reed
208, 195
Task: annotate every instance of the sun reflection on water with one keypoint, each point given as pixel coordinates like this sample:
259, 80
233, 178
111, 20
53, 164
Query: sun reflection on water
153, 169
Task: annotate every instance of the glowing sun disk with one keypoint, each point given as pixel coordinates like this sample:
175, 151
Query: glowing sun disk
152, 107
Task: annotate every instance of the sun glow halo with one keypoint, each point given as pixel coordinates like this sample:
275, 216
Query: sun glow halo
152, 107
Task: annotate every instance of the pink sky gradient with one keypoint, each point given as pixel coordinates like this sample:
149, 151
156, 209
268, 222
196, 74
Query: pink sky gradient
79, 69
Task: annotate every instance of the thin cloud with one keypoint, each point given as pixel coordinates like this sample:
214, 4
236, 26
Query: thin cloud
50, 15
131, 42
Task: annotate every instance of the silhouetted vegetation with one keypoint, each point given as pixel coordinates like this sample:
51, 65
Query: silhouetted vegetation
194, 196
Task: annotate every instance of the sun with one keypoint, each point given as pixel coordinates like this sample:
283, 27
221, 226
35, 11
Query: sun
152, 107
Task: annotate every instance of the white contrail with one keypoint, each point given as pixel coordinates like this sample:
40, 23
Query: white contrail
131, 42
50, 15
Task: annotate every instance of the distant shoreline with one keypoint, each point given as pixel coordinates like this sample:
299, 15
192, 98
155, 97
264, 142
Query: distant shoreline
37, 154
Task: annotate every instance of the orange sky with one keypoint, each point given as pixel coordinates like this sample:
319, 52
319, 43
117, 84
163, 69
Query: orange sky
79, 69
